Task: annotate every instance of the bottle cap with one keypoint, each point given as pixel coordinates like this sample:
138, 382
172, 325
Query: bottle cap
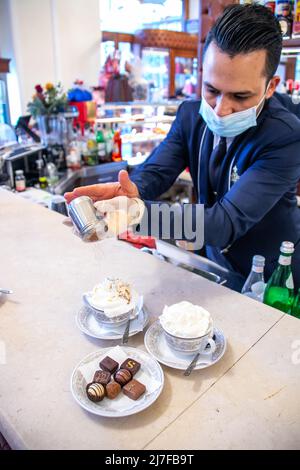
287, 247
258, 260
19, 172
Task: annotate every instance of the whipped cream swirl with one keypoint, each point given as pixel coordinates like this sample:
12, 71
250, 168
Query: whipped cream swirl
114, 297
186, 320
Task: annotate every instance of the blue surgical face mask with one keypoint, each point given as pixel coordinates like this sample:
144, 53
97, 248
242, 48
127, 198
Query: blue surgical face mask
231, 125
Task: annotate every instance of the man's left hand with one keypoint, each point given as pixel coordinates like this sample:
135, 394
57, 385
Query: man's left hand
120, 213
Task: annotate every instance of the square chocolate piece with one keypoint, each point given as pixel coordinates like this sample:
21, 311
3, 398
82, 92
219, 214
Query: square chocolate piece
134, 389
109, 364
102, 377
131, 365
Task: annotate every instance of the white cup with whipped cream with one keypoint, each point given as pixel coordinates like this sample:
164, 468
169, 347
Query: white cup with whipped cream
112, 301
188, 328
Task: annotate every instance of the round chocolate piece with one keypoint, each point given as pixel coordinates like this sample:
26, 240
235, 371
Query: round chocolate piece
122, 376
95, 391
112, 390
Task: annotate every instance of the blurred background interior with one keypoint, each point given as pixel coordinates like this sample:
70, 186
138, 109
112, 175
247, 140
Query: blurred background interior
85, 93
89, 87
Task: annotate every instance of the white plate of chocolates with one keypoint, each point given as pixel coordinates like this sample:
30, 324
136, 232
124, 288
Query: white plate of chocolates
117, 382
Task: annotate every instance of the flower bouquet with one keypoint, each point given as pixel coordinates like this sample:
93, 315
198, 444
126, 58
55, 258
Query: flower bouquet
47, 107
48, 100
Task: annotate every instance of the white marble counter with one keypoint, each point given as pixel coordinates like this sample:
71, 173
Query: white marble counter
248, 399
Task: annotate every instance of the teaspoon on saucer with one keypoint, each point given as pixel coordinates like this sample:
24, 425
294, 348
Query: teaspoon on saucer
126, 332
193, 364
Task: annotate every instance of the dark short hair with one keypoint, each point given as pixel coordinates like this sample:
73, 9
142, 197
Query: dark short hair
247, 28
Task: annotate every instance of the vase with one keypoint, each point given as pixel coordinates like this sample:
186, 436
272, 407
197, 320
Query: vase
52, 129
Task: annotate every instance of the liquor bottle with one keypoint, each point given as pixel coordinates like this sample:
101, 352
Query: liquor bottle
289, 86
84, 147
255, 284
101, 146
73, 157
295, 94
296, 306
271, 5
42, 177
296, 23
283, 11
92, 149
109, 140
117, 147
280, 288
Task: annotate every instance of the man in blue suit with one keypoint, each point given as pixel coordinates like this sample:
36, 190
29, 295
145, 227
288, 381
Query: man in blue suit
241, 144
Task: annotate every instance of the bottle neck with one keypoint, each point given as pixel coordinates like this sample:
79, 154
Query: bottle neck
257, 269
285, 260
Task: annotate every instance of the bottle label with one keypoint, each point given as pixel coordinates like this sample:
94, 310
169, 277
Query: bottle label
290, 282
116, 151
101, 150
258, 269
285, 260
109, 146
20, 185
285, 26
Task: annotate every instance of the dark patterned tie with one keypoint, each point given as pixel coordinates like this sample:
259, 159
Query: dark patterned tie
215, 162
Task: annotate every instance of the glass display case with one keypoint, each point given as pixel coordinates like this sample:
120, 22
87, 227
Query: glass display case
143, 125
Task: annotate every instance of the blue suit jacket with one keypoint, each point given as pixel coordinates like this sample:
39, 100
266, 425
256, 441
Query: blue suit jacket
257, 212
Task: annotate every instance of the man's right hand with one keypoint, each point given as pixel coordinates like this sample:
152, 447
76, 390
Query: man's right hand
98, 192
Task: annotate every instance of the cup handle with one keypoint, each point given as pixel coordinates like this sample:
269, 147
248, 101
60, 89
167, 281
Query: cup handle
212, 348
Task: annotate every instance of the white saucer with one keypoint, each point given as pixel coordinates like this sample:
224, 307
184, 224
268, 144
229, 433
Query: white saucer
88, 324
158, 347
150, 374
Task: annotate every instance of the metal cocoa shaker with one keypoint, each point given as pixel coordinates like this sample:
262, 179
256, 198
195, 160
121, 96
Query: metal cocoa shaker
84, 217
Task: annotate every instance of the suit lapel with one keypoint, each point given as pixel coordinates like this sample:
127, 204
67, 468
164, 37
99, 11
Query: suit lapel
204, 154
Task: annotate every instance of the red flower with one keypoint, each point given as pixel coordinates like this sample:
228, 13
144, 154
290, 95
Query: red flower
39, 89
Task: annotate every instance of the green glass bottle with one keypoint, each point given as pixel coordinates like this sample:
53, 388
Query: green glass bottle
296, 306
101, 146
279, 292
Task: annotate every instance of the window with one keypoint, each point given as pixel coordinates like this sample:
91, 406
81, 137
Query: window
140, 14
156, 72
4, 118
108, 49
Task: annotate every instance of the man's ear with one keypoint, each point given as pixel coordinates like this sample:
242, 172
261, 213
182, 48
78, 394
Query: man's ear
274, 82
